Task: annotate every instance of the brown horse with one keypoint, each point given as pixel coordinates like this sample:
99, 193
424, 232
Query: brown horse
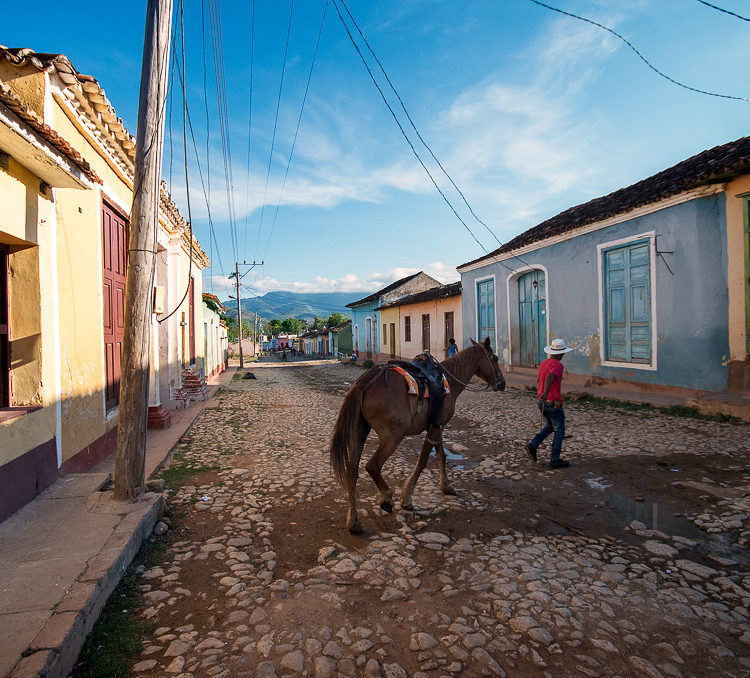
385, 405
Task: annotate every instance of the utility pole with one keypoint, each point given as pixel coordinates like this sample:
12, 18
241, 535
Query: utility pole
237, 277
130, 459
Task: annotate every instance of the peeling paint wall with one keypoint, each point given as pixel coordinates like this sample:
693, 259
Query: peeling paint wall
691, 305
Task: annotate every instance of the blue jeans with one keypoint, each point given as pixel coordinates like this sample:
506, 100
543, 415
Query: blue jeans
554, 420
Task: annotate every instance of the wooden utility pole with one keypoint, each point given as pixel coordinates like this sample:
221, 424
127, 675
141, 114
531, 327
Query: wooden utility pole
237, 277
130, 460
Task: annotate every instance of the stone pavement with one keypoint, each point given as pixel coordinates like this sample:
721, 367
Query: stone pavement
261, 578
63, 553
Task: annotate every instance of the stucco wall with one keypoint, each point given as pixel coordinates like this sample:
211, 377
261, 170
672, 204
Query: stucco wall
738, 252
692, 343
436, 309
388, 316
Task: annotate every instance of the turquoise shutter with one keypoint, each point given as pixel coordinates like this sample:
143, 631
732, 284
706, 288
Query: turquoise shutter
486, 310
628, 303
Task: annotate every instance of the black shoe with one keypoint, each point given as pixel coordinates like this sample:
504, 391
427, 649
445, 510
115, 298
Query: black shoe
559, 463
531, 452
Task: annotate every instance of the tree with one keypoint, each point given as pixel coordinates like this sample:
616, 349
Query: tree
272, 327
335, 319
318, 323
293, 325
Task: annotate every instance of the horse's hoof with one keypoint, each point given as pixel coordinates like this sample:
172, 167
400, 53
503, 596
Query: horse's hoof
407, 507
387, 506
450, 491
356, 529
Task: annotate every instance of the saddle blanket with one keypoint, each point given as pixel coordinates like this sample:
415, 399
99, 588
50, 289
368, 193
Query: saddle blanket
411, 383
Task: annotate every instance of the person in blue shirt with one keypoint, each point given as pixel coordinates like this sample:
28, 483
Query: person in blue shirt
452, 348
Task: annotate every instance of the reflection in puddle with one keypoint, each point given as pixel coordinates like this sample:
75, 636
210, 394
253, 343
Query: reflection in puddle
450, 456
653, 515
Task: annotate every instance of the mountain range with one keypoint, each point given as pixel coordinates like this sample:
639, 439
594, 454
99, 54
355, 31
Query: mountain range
283, 305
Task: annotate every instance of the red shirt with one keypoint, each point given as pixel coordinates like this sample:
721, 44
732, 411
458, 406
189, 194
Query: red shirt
550, 366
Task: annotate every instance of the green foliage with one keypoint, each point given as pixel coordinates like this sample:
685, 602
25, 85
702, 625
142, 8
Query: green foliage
293, 325
367, 364
318, 323
116, 640
272, 327
335, 319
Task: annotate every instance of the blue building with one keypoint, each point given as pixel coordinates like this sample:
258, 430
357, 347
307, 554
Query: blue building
648, 284
366, 320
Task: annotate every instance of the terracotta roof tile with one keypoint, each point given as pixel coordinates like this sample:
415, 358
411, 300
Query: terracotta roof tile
442, 292
711, 166
385, 290
25, 114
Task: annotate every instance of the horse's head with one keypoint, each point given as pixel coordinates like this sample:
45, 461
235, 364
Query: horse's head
488, 367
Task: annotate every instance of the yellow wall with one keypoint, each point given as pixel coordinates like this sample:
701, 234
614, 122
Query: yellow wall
388, 316
25, 226
79, 261
438, 341
737, 251
26, 82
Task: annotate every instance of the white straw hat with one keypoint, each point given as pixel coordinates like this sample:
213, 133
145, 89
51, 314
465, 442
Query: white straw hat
557, 347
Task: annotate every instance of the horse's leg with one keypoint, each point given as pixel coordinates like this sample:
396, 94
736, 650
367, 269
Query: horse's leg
352, 518
388, 443
445, 486
409, 485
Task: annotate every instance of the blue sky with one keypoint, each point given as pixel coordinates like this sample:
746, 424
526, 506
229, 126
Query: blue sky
529, 111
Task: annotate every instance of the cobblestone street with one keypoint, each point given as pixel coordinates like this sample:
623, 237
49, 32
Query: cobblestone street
632, 562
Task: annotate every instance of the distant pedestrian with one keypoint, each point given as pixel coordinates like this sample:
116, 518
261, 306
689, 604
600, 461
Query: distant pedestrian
452, 348
354, 356
549, 401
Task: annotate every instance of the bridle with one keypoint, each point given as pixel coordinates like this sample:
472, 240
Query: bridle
486, 386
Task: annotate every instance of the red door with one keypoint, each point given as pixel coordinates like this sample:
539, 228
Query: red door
114, 244
191, 329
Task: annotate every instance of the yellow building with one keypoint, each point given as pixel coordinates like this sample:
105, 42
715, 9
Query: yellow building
422, 321
66, 181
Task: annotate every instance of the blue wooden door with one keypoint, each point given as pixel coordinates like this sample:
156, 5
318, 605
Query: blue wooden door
532, 316
486, 310
628, 303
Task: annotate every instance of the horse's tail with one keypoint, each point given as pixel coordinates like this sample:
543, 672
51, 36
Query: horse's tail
349, 432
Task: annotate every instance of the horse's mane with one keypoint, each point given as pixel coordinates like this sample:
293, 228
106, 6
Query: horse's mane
460, 360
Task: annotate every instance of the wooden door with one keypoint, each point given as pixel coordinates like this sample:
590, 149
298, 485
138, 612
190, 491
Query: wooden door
532, 316
425, 331
393, 340
4, 331
114, 258
191, 315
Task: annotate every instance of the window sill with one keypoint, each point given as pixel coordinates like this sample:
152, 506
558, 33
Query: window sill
10, 413
629, 366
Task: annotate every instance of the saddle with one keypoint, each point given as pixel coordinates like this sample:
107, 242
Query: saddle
431, 384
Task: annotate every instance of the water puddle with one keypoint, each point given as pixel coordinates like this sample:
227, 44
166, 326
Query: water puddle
451, 456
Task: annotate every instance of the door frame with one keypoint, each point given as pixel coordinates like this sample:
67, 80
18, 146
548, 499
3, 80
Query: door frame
514, 322
485, 278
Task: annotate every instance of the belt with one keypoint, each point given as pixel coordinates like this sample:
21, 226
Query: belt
551, 402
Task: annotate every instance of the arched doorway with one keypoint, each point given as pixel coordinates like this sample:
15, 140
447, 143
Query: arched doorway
532, 317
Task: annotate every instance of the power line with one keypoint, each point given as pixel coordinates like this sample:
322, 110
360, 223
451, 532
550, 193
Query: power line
275, 122
640, 56
299, 122
721, 9
403, 133
414, 127
249, 121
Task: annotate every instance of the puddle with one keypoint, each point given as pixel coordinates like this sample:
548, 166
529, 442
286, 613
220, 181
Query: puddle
450, 455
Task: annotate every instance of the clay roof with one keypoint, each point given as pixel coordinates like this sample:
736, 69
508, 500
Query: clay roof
88, 99
711, 166
25, 114
442, 292
207, 296
385, 290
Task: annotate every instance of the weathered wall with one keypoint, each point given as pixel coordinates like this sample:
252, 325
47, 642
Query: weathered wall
436, 308
388, 316
692, 347
737, 249
26, 82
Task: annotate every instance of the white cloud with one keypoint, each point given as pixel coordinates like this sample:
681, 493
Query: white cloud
350, 282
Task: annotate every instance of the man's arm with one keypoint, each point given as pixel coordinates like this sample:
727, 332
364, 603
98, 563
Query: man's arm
547, 386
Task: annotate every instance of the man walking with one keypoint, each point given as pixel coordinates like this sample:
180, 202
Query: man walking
549, 400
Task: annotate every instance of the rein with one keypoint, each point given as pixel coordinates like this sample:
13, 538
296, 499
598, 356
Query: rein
467, 386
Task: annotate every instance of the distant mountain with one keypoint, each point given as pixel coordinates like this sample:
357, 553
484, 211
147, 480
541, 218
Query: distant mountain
283, 305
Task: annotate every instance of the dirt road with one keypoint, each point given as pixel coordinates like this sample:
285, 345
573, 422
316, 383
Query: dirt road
632, 562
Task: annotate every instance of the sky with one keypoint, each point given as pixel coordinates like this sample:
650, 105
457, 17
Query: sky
529, 111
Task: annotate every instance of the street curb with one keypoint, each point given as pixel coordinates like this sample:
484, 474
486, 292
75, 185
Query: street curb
55, 649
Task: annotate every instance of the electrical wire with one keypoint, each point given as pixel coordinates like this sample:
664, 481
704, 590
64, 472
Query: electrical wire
299, 122
275, 122
640, 56
413, 126
403, 132
249, 120
721, 9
